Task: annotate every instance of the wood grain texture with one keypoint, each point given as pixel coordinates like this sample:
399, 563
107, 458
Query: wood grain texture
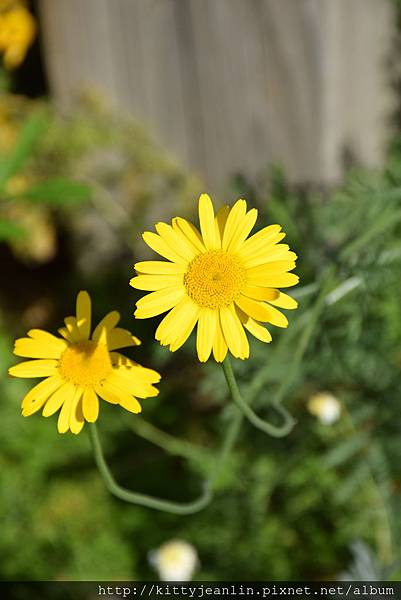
232, 86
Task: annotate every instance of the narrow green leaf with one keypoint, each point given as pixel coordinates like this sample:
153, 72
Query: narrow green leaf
345, 451
30, 134
58, 191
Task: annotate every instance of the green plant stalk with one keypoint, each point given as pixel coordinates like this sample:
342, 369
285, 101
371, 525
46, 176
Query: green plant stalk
173, 446
229, 440
170, 443
247, 411
114, 488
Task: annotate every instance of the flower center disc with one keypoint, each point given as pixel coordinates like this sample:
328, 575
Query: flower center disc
214, 279
85, 363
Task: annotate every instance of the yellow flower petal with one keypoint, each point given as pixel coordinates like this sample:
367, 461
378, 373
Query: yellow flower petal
243, 229
268, 236
115, 395
168, 325
76, 416
220, 347
120, 338
188, 323
29, 348
254, 327
260, 293
207, 224
121, 362
261, 311
272, 268
63, 331
178, 324
38, 395
158, 302
151, 283
46, 338
207, 324
257, 330
130, 403
159, 245
284, 301
90, 405
74, 333
274, 280
84, 313
159, 267
132, 385
276, 317
177, 241
221, 220
191, 233
105, 394
34, 368
267, 255
56, 400
63, 423
234, 333
106, 324
253, 308
234, 220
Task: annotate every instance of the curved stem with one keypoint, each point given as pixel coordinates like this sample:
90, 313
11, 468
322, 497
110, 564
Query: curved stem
169, 443
252, 417
114, 488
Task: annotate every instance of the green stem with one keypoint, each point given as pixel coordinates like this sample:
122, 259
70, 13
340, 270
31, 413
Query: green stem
247, 411
229, 440
143, 499
171, 444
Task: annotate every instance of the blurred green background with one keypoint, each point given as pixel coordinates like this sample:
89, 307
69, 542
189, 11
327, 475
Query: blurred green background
77, 189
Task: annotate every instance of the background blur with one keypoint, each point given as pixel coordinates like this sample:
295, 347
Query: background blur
115, 114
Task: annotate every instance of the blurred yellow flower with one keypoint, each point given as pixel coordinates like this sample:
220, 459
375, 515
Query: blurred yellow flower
216, 278
325, 406
17, 32
79, 368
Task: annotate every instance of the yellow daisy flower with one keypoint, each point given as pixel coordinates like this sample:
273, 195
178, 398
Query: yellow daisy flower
80, 368
218, 278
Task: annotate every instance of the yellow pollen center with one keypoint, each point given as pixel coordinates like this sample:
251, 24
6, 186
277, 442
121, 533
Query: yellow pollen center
85, 363
214, 279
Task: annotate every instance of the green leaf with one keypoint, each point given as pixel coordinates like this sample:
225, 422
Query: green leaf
58, 191
345, 451
10, 231
30, 134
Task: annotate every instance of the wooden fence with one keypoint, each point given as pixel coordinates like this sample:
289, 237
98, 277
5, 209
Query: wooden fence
233, 85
